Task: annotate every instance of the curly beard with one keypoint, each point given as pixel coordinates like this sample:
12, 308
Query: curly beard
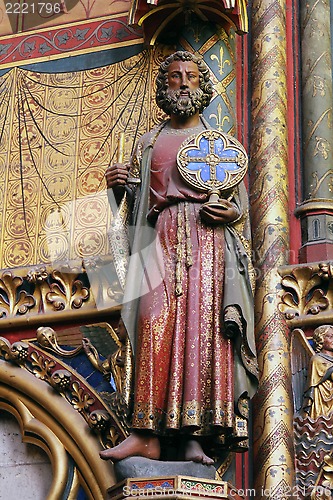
180, 105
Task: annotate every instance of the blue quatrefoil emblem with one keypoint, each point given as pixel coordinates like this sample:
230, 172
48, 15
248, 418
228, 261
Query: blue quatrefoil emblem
212, 161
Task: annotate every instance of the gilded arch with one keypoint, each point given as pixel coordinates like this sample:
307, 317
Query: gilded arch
47, 420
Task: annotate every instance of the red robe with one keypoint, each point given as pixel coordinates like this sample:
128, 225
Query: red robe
184, 362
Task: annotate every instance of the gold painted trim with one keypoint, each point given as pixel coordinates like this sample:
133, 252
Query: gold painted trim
307, 320
224, 16
157, 9
73, 493
198, 8
29, 395
58, 317
61, 26
131, 13
288, 269
77, 375
37, 433
20, 18
72, 53
53, 57
313, 204
244, 24
163, 25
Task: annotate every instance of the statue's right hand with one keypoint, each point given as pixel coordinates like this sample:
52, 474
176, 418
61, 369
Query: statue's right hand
116, 175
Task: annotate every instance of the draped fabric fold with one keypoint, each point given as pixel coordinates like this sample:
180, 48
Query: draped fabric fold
191, 364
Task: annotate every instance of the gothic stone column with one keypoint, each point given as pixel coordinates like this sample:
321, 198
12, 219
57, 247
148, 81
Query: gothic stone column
273, 427
316, 211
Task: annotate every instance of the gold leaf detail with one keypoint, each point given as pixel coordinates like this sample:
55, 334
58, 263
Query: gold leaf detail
12, 301
304, 293
67, 292
81, 401
42, 367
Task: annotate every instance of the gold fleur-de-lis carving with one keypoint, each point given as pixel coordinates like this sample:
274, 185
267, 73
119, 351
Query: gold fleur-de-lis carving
219, 118
221, 63
196, 29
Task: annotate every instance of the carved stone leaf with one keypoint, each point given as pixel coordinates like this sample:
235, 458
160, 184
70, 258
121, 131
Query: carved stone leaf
42, 366
57, 297
25, 302
289, 301
317, 303
330, 294
81, 400
4, 307
67, 293
12, 302
80, 294
303, 294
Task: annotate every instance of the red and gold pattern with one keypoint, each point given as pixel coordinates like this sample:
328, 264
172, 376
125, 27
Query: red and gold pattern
191, 358
184, 357
18, 17
175, 487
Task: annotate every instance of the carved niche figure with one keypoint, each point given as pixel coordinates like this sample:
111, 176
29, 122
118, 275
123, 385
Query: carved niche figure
195, 358
319, 393
312, 372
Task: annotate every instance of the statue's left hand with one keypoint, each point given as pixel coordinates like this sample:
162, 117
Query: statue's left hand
213, 214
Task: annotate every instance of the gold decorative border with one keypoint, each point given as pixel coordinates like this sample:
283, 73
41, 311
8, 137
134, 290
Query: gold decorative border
314, 205
40, 414
28, 40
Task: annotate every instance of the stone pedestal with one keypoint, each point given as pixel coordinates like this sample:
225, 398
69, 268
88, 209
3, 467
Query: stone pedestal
173, 487
145, 467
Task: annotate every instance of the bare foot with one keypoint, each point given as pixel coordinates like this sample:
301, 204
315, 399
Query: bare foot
195, 453
135, 445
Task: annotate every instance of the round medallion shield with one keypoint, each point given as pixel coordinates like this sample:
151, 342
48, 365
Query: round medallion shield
212, 161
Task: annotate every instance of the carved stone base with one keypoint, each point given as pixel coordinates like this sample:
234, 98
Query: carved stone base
173, 487
145, 467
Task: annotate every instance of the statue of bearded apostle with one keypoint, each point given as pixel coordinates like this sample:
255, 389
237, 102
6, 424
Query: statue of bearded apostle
192, 326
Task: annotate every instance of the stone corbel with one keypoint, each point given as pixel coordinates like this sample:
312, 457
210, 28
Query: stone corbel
307, 294
56, 292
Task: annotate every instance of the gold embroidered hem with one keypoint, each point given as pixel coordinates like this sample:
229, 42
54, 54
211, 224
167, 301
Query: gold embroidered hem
145, 416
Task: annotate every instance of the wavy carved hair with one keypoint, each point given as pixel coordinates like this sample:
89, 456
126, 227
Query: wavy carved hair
319, 336
204, 77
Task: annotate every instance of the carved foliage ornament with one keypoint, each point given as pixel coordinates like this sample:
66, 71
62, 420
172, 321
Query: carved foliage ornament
41, 291
73, 286
67, 383
306, 290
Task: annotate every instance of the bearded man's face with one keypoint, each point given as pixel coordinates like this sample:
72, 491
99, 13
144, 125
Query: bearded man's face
183, 96
178, 103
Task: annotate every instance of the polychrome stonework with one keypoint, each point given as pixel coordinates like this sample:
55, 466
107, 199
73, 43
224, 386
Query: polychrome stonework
73, 79
273, 437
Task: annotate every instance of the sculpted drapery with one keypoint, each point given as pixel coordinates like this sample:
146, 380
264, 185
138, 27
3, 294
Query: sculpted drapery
195, 354
188, 299
319, 395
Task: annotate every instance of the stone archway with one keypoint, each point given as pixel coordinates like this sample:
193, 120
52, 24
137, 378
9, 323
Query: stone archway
47, 420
